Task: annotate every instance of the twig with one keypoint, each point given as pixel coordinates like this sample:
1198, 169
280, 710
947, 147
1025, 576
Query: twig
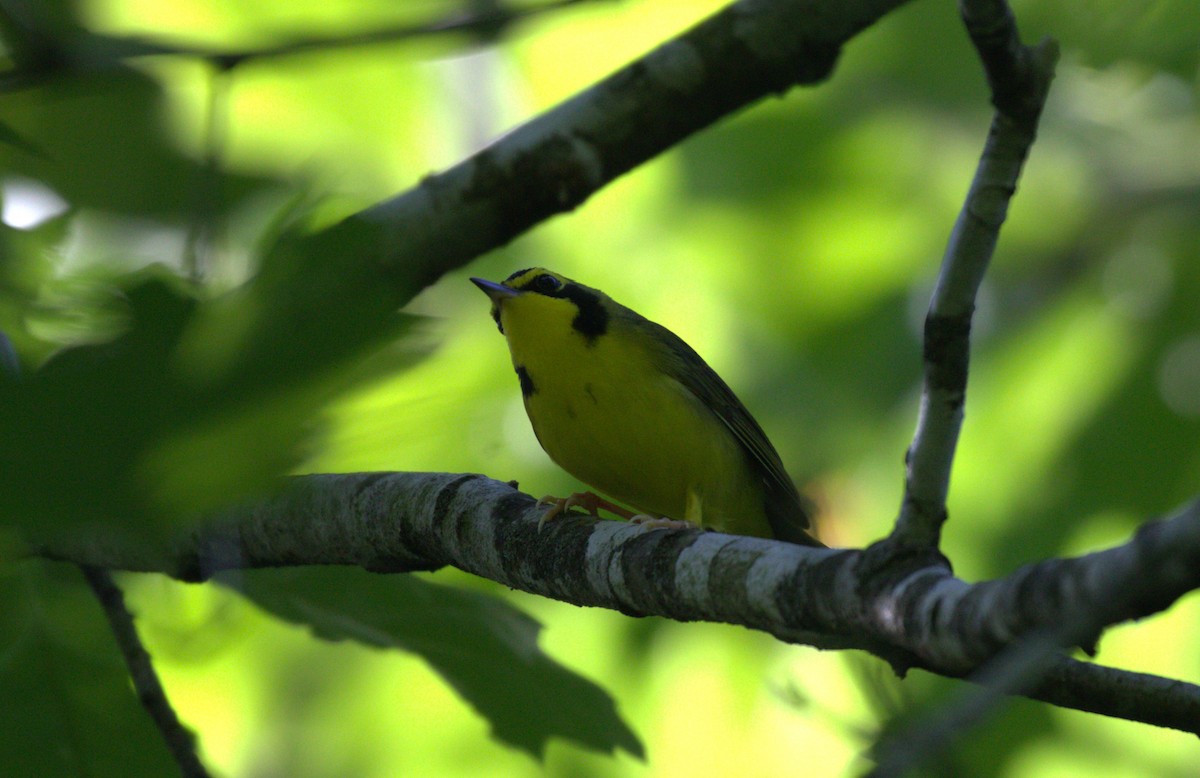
180, 741
1020, 79
89, 51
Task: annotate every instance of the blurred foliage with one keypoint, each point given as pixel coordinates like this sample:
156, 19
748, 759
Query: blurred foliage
69, 709
177, 335
190, 404
526, 695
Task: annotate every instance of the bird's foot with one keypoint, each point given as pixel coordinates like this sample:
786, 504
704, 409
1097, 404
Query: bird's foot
589, 501
661, 522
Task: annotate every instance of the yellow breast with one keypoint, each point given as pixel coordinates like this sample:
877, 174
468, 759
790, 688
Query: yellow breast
606, 414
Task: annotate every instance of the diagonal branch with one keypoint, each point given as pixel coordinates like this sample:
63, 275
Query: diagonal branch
913, 613
1020, 80
551, 165
180, 741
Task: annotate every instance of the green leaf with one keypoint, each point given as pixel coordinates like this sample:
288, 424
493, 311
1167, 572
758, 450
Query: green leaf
483, 647
68, 707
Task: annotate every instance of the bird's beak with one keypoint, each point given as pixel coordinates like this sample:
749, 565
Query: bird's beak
498, 294
494, 290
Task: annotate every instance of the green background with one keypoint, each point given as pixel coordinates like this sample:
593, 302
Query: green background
794, 246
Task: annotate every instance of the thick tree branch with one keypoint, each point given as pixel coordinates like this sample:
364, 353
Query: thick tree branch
1020, 80
750, 50
913, 613
178, 738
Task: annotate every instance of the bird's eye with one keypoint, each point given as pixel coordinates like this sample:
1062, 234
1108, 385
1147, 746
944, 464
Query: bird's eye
546, 284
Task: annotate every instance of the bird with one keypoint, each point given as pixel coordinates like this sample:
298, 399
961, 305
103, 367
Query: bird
630, 409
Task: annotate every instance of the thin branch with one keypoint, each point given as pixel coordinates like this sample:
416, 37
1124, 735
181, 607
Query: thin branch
913, 613
180, 741
1016, 74
1020, 79
88, 51
483, 23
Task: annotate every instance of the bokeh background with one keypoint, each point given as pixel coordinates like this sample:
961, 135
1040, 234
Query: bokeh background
794, 245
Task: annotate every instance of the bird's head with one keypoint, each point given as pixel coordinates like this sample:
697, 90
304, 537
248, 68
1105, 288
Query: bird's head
543, 298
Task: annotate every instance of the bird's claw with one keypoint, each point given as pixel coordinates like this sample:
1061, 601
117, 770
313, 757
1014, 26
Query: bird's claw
589, 501
559, 505
661, 522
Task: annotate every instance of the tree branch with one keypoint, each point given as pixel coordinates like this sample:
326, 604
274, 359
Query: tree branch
912, 613
552, 164
180, 741
1020, 80
1034, 667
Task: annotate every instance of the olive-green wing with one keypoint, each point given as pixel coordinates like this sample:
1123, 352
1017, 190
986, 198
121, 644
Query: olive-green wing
784, 507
